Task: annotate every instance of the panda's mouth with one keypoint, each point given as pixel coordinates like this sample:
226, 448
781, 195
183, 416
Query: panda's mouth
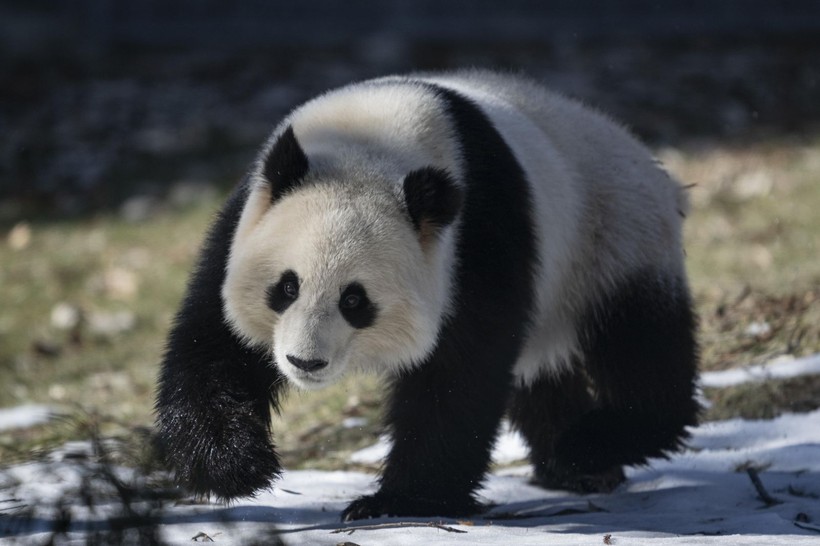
309, 383
310, 380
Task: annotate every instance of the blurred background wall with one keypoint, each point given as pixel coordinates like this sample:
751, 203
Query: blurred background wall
103, 100
77, 25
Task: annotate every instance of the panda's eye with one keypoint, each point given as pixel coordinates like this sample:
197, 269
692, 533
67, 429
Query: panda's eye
284, 292
351, 301
290, 289
356, 307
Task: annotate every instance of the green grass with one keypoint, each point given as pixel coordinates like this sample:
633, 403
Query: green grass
751, 241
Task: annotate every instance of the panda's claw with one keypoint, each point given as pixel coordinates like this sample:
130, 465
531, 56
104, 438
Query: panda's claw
366, 507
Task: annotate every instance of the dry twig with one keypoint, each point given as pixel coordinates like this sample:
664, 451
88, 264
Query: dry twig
807, 526
396, 525
761, 491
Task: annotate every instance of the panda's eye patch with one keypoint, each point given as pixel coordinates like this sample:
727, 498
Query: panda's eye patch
356, 307
283, 292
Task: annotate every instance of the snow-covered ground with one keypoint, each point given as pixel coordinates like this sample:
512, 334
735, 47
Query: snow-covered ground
779, 368
701, 496
24, 416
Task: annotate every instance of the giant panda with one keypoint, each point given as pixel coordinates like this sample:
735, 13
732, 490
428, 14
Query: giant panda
488, 247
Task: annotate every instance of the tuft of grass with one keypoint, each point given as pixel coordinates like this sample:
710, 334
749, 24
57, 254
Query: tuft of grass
312, 431
764, 400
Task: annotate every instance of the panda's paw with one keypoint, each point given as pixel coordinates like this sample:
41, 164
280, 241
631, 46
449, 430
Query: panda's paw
363, 508
382, 504
237, 459
599, 482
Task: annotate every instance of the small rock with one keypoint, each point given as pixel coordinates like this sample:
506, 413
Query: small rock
65, 316
116, 282
20, 236
57, 392
108, 324
120, 283
753, 184
758, 330
761, 256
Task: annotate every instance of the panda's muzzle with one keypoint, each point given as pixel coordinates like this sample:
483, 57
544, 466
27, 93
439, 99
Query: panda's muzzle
307, 365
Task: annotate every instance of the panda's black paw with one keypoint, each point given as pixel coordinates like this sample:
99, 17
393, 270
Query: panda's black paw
363, 508
228, 454
600, 482
382, 504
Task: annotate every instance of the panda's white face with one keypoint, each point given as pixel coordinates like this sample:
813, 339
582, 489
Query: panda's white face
331, 280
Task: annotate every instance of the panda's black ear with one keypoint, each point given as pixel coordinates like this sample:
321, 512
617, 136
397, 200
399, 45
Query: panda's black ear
285, 165
433, 199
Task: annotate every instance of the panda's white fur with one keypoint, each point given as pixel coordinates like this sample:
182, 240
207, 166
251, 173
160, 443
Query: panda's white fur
602, 209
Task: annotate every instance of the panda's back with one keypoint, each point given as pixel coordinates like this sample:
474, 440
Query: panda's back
603, 209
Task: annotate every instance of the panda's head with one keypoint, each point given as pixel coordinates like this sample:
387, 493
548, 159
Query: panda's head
332, 270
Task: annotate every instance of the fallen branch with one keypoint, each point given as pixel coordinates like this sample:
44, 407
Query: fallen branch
396, 525
761, 491
807, 526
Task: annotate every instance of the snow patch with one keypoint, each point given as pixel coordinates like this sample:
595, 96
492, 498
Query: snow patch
780, 368
699, 496
374, 454
24, 416
509, 448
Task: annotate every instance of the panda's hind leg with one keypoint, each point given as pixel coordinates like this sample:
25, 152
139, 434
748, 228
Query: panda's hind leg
641, 357
543, 412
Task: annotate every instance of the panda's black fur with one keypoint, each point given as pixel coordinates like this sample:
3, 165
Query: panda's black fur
627, 394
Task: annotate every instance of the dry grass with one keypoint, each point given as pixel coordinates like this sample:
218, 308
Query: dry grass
752, 246
753, 257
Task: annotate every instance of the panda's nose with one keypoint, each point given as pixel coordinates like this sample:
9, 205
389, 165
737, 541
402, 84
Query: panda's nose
307, 365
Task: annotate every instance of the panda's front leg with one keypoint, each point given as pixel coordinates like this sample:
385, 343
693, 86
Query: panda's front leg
443, 418
215, 393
